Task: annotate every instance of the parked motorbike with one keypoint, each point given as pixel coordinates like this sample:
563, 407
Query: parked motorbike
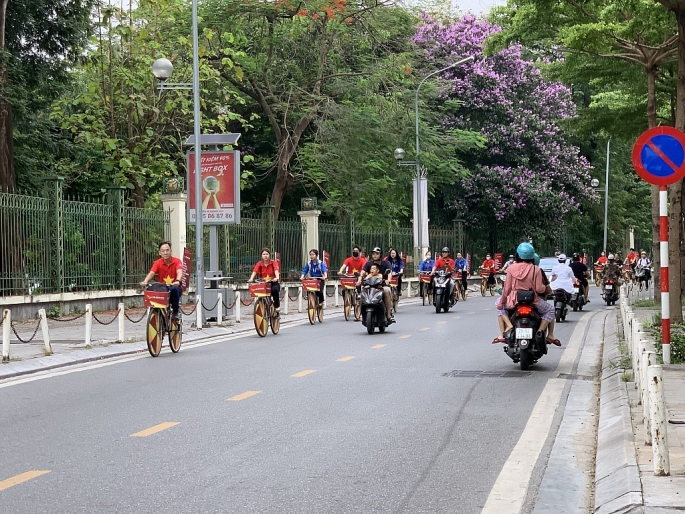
578, 297
525, 344
442, 299
560, 304
610, 292
373, 306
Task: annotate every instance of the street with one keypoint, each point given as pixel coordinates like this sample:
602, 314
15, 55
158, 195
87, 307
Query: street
318, 419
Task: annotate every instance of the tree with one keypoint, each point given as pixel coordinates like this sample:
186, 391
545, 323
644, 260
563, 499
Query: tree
528, 175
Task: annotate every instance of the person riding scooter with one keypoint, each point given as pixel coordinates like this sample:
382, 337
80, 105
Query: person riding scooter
447, 264
385, 269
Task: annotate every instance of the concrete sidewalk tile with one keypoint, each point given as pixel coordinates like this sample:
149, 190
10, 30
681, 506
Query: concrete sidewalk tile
621, 481
629, 503
664, 491
663, 510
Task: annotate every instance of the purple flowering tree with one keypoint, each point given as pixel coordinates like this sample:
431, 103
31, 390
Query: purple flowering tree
529, 179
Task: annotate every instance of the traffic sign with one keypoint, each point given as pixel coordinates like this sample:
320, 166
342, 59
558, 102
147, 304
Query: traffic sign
659, 156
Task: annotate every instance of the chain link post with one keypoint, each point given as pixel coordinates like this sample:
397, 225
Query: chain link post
219, 308
6, 330
115, 199
46, 332
236, 302
89, 325
54, 192
122, 323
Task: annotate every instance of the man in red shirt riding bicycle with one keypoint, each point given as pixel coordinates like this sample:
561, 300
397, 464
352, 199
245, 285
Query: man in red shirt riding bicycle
353, 265
169, 271
269, 271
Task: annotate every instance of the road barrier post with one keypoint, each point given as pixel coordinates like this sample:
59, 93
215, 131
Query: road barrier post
6, 330
46, 333
648, 359
122, 323
89, 325
660, 458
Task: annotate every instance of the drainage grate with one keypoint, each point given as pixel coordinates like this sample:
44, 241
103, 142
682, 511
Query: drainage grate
486, 374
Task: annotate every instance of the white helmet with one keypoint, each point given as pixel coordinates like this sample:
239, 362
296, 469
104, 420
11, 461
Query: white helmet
562, 257
611, 257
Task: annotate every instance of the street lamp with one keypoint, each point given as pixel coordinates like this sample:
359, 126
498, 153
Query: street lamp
595, 184
162, 70
420, 181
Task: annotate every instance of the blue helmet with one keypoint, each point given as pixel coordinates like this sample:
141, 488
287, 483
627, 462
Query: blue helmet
537, 260
526, 251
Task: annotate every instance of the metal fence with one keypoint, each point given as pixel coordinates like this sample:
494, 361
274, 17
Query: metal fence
335, 240
144, 230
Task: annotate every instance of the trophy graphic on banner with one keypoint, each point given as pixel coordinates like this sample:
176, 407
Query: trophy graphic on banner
211, 187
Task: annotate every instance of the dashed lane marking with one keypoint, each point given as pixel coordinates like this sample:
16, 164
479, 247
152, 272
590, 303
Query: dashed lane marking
242, 396
441, 322
155, 429
406, 336
345, 359
379, 346
456, 317
303, 373
472, 312
425, 328
21, 478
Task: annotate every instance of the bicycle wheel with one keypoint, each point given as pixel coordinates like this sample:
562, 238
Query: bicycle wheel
483, 287
274, 320
261, 322
347, 304
395, 299
357, 307
154, 332
175, 335
424, 293
311, 307
492, 290
319, 311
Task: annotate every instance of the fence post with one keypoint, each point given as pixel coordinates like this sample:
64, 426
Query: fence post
55, 220
648, 359
660, 458
337, 298
286, 300
6, 330
219, 306
310, 220
115, 198
89, 325
236, 294
299, 299
122, 323
46, 333
198, 312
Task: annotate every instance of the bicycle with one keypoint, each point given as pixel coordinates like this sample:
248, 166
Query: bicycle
394, 293
160, 320
460, 286
425, 280
265, 314
484, 286
314, 307
628, 274
598, 269
351, 301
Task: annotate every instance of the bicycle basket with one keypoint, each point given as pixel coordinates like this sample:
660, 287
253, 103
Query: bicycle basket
348, 282
626, 267
311, 284
260, 289
425, 278
157, 299
599, 268
393, 281
485, 273
457, 275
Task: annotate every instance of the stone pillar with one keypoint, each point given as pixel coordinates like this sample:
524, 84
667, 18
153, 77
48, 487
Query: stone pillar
311, 232
175, 204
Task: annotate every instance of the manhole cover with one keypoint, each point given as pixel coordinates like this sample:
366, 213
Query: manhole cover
486, 374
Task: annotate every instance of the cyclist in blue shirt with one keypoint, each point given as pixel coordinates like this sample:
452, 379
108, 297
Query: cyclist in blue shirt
462, 265
397, 266
426, 266
316, 269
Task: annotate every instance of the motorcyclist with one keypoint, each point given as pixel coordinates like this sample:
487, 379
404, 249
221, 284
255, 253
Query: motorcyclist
385, 269
316, 269
426, 266
447, 264
581, 273
354, 264
562, 277
645, 263
525, 276
612, 271
462, 266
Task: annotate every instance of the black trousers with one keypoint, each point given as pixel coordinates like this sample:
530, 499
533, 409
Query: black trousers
276, 293
175, 293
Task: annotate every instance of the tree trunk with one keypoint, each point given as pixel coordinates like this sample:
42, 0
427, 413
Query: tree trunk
284, 179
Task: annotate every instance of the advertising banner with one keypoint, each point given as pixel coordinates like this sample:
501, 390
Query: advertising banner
187, 256
220, 187
498, 261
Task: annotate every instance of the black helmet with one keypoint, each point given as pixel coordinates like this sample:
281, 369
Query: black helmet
576, 256
376, 250
446, 249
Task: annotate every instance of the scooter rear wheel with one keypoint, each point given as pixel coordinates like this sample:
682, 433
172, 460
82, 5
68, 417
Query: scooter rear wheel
369, 321
437, 300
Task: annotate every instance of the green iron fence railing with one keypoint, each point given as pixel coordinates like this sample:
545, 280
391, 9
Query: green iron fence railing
144, 230
333, 239
289, 236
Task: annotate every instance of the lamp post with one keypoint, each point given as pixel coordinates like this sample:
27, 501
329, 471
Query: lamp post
595, 183
162, 70
420, 181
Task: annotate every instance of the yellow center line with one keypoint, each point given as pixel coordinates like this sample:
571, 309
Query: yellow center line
441, 322
345, 359
303, 373
21, 478
155, 429
379, 346
405, 337
425, 328
242, 396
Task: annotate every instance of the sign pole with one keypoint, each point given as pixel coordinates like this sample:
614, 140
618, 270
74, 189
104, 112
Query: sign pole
663, 247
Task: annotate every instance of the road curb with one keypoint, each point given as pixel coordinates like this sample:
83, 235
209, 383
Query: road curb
618, 489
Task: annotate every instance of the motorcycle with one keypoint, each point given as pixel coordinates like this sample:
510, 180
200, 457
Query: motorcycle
641, 277
525, 344
610, 292
560, 304
373, 306
577, 298
442, 299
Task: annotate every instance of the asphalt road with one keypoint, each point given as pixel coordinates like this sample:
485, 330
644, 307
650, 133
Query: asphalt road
375, 426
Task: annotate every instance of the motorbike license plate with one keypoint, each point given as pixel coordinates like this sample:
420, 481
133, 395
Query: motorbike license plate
576, 290
608, 286
524, 333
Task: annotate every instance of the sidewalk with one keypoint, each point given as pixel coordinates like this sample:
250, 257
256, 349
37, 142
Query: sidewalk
624, 477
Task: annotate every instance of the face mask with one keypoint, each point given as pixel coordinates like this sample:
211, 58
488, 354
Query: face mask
355, 254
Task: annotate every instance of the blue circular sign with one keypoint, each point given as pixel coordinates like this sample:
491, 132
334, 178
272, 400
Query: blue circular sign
659, 155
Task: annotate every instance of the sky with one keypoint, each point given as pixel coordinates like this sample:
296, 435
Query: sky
478, 6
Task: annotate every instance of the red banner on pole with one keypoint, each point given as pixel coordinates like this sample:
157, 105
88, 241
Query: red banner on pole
498, 260
187, 257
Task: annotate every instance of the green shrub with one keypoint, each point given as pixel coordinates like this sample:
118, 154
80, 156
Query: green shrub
677, 340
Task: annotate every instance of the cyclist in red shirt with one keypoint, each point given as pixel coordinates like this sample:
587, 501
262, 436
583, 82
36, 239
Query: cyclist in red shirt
169, 271
632, 258
602, 259
353, 265
489, 264
269, 270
